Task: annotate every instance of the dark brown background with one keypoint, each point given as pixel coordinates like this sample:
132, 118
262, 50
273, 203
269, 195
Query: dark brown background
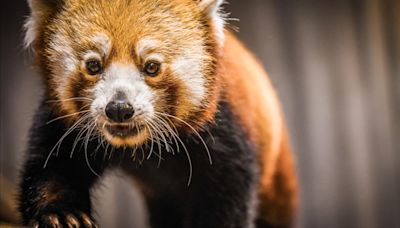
336, 66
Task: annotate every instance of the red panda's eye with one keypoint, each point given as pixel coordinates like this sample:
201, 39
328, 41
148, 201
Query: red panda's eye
152, 69
94, 67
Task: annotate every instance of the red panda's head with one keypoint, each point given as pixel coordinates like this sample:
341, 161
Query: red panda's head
132, 68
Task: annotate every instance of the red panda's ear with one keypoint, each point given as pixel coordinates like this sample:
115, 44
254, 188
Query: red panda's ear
40, 11
40, 5
210, 6
213, 9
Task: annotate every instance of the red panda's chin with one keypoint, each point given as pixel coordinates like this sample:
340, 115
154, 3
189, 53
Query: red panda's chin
124, 130
124, 136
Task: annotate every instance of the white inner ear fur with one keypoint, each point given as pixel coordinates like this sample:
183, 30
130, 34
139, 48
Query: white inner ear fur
213, 8
31, 31
31, 24
38, 10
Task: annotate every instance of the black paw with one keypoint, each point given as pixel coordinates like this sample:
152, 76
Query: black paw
64, 220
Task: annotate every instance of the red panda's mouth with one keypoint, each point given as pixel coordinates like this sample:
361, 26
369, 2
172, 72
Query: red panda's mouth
124, 130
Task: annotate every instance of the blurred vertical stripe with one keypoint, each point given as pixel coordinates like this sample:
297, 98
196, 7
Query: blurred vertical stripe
336, 66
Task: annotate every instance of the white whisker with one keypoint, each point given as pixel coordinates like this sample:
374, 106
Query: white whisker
194, 130
58, 144
65, 116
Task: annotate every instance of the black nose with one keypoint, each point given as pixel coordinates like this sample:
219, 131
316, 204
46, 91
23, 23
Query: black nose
119, 111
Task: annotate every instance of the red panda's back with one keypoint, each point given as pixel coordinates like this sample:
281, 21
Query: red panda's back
254, 101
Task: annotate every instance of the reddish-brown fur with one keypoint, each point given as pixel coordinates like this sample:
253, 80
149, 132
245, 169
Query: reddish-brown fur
231, 73
254, 101
123, 22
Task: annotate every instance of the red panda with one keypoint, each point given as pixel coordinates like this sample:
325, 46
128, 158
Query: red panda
161, 90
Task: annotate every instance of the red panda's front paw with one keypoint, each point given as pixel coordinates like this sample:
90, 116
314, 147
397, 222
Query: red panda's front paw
64, 220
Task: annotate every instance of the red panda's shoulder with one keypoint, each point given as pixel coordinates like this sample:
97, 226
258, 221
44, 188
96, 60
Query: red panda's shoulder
254, 102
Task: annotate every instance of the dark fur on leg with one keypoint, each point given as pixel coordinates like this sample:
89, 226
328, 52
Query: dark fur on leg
220, 195
57, 194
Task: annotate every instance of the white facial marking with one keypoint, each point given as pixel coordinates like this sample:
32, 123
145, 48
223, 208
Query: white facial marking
154, 56
145, 45
189, 68
126, 79
104, 42
61, 48
64, 62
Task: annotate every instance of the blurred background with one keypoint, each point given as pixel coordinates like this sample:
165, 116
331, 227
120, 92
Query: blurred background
336, 66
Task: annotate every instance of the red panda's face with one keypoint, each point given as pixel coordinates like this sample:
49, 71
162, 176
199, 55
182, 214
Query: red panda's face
129, 69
